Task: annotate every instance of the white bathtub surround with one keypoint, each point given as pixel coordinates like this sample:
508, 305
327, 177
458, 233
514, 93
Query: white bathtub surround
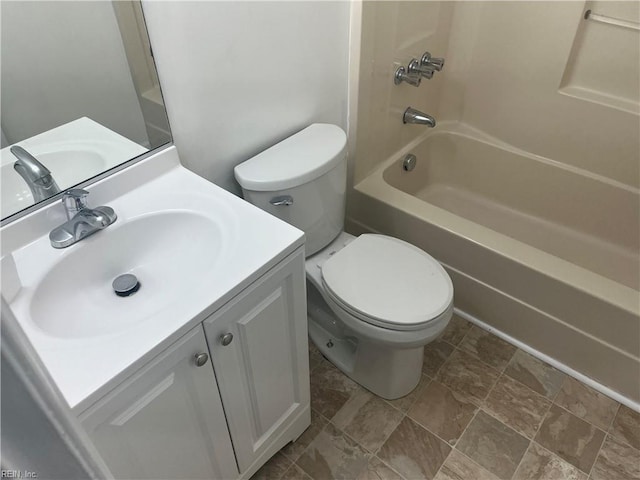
543, 91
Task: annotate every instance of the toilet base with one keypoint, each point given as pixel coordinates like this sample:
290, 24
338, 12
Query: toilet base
388, 372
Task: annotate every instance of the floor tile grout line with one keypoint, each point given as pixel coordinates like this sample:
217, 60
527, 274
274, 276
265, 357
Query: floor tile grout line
350, 438
287, 469
310, 443
375, 454
493, 387
624, 441
503, 372
522, 459
508, 426
606, 431
474, 402
530, 390
574, 415
533, 438
457, 347
465, 334
390, 467
404, 415
415, 400
435, 434
445, 461
595, 460
474, 462
614, 418
557, 394
428, 430
465, 398
423, 427
480, 408
476, 358
544, 417
555, 454
388, 402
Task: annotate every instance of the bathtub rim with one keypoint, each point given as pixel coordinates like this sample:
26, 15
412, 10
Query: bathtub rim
605, 289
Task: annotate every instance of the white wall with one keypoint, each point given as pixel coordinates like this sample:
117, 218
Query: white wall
238, 77
62, 61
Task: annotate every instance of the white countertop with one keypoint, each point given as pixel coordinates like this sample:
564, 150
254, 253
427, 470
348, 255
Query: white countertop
86, 368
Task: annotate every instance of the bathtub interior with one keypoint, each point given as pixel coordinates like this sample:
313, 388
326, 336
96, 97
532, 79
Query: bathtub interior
587, 220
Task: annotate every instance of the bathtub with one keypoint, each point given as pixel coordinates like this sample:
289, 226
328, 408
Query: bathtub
545, 254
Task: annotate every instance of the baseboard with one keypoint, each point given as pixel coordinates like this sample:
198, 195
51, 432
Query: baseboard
552, 361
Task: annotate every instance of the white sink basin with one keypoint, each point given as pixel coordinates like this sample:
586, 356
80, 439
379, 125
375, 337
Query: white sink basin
171, 254
192, 246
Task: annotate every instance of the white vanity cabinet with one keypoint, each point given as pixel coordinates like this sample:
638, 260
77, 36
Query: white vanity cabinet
258, 344
166, 421
224, 418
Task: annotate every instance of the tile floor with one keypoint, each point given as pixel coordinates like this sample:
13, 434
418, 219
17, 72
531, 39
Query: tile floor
484, 410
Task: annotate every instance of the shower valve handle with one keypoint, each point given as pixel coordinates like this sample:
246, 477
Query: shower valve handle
417, 69
402, 75
428, 61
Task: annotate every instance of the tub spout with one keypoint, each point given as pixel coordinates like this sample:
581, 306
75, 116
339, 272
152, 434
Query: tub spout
411, 115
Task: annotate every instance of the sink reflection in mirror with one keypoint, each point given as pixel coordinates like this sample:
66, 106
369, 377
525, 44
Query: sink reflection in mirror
72, 152
102, 92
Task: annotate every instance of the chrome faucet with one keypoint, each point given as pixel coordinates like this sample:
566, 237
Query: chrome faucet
431, 62
416, 68
35, 174
411, 115
402, 75
81, 220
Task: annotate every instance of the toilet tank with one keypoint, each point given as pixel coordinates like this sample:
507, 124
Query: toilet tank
302, 180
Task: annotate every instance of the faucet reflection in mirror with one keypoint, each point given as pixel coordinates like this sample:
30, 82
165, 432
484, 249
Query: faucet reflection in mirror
95, 107
37, 177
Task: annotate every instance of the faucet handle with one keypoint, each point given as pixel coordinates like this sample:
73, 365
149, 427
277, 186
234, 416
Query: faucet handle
402, 75
428, 61
74, 200
417, 69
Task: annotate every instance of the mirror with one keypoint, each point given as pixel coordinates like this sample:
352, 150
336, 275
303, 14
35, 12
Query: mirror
79, 95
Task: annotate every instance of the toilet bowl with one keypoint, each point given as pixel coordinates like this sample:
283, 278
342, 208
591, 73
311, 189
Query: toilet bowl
373, 301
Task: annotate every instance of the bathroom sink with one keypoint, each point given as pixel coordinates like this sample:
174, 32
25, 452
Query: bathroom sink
192, 246
172, 254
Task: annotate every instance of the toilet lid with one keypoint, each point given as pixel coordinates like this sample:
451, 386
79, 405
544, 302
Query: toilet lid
389, 282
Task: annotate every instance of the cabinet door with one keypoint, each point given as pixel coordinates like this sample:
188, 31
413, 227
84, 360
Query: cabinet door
263, 374
166, 421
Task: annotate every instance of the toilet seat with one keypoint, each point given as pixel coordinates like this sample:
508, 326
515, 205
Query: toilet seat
387, 282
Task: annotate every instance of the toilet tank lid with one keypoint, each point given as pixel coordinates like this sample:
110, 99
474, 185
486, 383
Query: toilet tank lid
294, 161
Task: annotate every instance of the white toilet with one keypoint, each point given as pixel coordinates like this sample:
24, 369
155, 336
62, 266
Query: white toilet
373, 301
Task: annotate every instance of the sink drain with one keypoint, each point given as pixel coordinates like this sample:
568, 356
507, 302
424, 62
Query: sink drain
125, 285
